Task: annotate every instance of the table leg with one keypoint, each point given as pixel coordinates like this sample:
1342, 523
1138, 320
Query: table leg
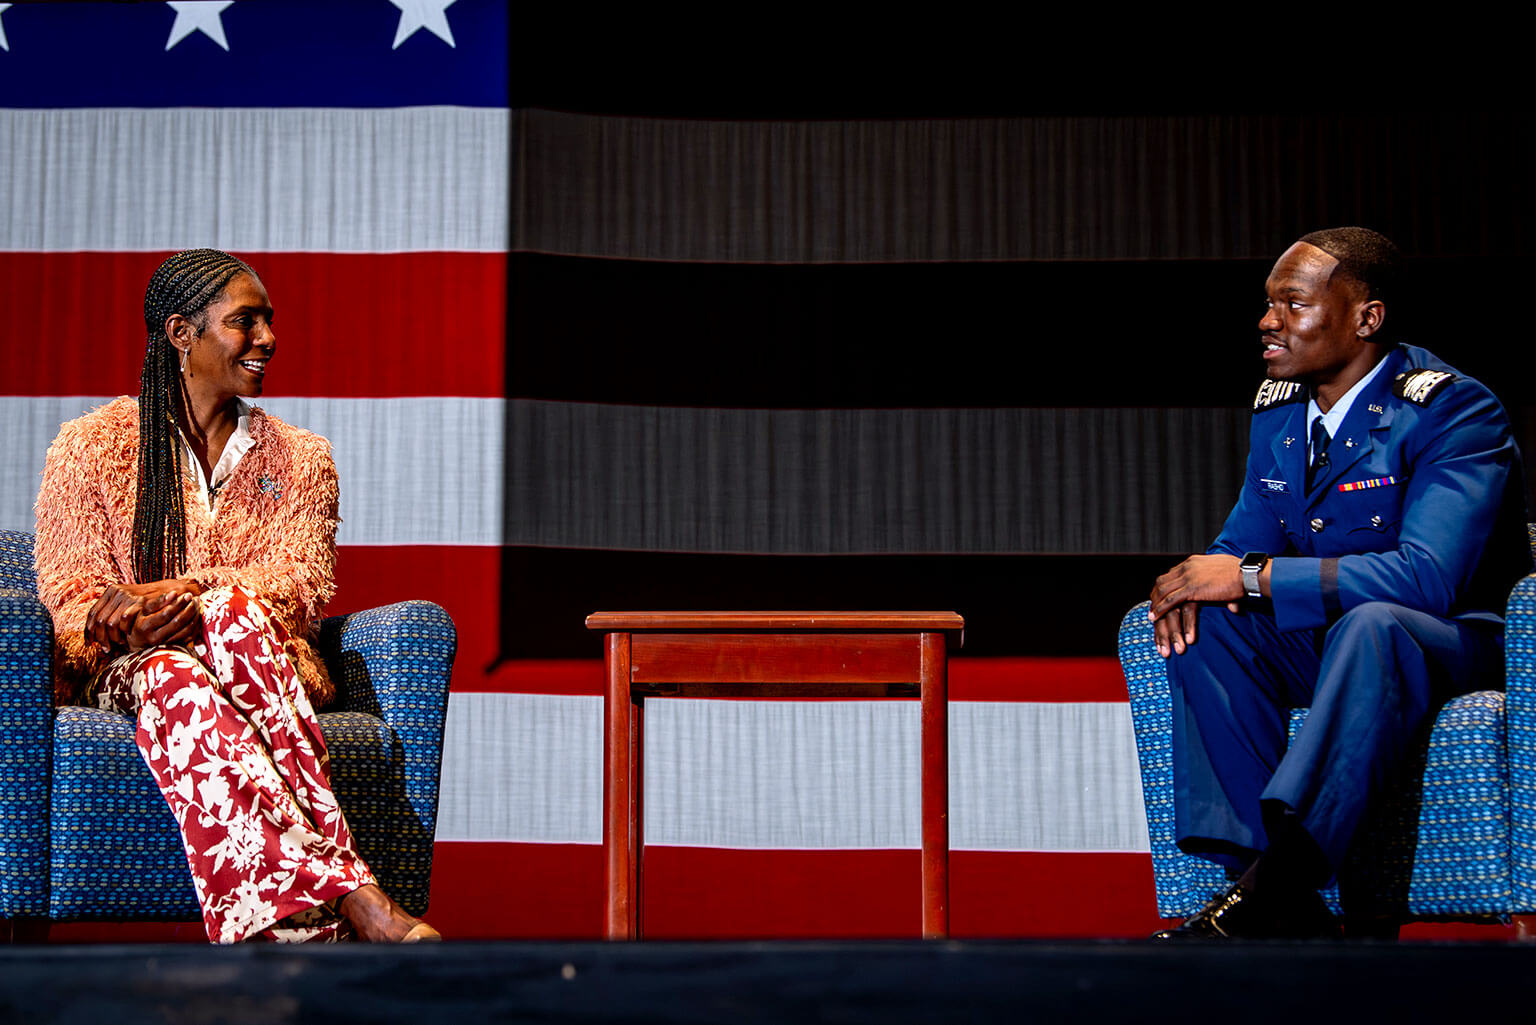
637, 817
935, 742
621, 836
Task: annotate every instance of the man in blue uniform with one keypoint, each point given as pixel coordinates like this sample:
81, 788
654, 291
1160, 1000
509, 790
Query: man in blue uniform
1363, 572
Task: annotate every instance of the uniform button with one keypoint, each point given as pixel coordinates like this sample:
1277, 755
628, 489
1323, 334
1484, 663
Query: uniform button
1317, 526
1375, 521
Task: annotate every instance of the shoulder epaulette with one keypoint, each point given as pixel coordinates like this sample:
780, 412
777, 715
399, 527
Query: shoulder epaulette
1419, 386
1277, 393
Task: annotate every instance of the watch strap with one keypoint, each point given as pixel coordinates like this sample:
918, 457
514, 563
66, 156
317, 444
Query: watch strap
1252, 565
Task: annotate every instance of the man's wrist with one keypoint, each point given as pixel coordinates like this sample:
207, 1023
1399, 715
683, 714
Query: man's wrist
1250, 569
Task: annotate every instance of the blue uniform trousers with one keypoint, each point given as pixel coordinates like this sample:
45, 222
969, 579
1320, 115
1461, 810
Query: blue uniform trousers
1373, 680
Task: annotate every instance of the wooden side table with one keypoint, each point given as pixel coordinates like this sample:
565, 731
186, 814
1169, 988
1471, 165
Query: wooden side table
778, 654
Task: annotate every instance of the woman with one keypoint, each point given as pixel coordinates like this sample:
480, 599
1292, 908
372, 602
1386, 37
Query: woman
185, 547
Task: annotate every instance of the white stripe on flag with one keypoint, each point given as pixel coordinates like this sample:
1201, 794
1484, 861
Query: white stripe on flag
522, 767
791, 774
1027, 776
414, 471
27, 427
256, 180
796, 775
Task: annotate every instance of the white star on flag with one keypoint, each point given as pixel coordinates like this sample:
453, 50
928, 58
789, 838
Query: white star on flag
198, 16
427, 14
3, 44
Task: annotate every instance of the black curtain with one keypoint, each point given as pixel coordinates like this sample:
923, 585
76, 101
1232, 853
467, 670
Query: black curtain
799, 361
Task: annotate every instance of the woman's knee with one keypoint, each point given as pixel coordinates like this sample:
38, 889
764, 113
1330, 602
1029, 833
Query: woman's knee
232, 603
160, 672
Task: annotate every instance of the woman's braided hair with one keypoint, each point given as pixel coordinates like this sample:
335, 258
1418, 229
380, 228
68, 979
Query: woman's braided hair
187, 284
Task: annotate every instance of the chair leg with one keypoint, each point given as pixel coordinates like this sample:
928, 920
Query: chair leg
23, 930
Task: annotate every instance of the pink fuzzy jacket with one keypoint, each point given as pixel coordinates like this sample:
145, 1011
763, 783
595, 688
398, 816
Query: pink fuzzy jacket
274, 534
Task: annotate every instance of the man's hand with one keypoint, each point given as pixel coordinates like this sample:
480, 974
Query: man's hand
1177, 595
167, 607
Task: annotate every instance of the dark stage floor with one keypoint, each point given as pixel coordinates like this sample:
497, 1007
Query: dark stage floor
882, 983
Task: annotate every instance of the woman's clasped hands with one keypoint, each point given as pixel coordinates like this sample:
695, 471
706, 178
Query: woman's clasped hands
136, 616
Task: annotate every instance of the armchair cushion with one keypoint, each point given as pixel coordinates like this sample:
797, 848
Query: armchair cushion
115, 850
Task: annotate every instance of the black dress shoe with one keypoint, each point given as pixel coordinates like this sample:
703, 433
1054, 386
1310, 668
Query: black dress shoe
1242, 913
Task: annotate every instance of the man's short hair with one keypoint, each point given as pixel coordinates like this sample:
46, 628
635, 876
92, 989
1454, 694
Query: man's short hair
1365, 255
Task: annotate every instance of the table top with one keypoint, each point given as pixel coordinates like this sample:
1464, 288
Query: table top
723, 621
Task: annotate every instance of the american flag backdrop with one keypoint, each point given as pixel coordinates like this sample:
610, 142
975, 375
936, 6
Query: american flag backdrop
581, 360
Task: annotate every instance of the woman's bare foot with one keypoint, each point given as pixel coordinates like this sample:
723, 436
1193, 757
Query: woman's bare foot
377, 919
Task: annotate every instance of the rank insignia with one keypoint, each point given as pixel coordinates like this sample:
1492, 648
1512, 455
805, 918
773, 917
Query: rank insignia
1419, 386
1374, 482
1277, 393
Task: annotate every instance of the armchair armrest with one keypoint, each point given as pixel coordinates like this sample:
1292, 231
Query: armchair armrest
1184, 883
395, 662
26, 752
1520, 707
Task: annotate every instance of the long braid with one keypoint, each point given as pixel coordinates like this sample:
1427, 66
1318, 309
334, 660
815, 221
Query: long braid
187, 283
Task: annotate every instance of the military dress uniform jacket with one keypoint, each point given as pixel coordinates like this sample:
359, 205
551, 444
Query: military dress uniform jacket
1422, 505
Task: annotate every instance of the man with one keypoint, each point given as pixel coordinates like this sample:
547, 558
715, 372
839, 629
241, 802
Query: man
1363, 572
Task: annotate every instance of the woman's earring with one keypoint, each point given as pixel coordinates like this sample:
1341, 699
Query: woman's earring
183, 361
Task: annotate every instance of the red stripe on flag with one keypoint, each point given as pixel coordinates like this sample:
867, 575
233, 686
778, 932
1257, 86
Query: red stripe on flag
484, 891
704, 893
467, 580
712, 893
1036, 679
348, 325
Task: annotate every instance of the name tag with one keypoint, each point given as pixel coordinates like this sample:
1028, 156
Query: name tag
1275, 485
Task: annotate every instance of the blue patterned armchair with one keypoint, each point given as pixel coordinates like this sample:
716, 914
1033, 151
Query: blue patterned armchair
1458, 840
84, 832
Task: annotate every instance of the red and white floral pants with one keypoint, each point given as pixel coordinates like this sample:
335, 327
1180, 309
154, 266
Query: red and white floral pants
231, 739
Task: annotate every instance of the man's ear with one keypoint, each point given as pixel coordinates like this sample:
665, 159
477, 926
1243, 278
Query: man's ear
1373, 314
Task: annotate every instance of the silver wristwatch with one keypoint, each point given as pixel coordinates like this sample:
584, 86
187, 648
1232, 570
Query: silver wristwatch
1251, 565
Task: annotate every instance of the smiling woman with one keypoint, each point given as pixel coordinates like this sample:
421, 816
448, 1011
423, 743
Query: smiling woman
185, 548
227, 353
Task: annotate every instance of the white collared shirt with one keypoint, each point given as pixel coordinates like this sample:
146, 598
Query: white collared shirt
239, 443
1334, 418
